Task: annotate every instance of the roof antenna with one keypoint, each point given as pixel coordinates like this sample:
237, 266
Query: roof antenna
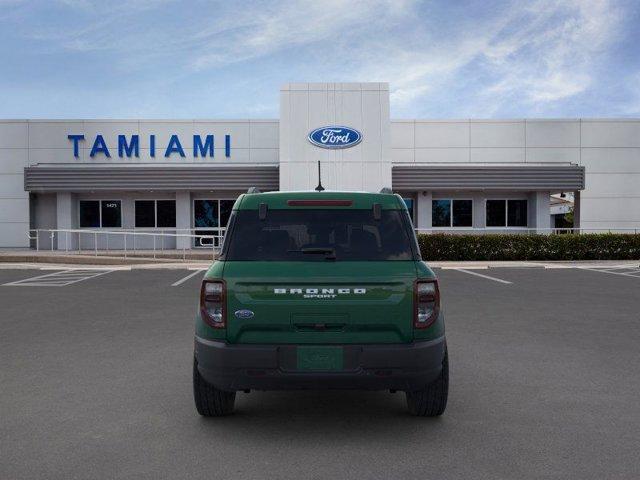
319, 188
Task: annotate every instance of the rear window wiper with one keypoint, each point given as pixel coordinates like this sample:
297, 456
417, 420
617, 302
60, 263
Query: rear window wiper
329, 252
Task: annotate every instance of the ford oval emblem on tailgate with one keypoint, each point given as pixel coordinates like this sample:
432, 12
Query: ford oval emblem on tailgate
244, 314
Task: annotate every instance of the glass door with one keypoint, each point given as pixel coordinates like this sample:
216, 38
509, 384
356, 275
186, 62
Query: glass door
209, 218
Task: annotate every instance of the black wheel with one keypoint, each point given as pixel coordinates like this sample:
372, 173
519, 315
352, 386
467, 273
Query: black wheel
431, 401
210, 402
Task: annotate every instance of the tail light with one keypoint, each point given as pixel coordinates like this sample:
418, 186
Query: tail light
426, 303
212, 303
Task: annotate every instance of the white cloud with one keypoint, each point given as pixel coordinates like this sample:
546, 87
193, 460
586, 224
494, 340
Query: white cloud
112, 5
631, 105
218, 34
285, 25
543, 53
552, 56
534, 53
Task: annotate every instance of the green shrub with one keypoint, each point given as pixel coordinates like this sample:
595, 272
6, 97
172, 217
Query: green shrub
590, 246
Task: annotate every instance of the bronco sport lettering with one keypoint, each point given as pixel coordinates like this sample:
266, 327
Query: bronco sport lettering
319, 292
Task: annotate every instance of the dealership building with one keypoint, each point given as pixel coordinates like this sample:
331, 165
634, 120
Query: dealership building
184, 175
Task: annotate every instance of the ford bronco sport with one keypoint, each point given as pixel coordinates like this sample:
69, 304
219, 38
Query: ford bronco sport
320, 290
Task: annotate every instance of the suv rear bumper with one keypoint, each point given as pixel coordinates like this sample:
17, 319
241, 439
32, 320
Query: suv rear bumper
408, 367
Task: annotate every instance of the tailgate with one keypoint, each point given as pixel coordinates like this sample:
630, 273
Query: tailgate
319, 302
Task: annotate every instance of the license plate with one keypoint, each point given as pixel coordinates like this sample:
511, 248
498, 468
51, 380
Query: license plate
320, 358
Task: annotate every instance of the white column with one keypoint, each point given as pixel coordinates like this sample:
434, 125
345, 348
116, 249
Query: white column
183, 219
423, 204
479, 210
539, 211
66, 218
576, 209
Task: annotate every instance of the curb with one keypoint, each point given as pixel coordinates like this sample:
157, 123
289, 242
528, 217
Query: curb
87, 260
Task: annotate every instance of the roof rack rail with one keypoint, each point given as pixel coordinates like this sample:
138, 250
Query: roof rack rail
386, 190
254, 190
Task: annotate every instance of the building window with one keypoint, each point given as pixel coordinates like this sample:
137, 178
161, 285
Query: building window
462, 213
111, 213
145, 213
225, 211
155, 213
441, 213
507, 213
517, 213
452, 213
166, 214
409, 203
496, 213
205, 214
211, 213
208, 215
90, 214
100, 213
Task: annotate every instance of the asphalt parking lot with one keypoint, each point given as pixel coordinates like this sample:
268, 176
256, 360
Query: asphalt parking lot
95, 378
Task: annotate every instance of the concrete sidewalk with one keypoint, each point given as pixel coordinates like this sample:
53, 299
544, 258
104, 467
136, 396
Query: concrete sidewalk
25, 258
533, 264
89, 257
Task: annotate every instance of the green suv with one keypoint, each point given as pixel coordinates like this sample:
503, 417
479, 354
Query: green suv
320, 290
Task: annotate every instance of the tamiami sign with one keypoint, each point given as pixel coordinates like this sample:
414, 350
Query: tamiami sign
203, 146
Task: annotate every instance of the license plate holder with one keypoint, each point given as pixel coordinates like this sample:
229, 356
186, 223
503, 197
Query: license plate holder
320, 358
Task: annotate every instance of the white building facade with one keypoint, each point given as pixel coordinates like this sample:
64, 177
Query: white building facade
183, 175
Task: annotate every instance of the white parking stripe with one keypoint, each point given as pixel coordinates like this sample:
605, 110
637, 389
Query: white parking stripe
621, 270
182, 280
612, 268
635, 273
474, 267
73, 275
34, 278
58, 279
88, 268
483, 276
87, 277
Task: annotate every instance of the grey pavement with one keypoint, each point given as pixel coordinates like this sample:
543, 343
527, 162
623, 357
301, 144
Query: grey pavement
96, 383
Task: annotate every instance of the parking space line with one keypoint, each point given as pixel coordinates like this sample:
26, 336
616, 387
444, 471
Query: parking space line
483, 276
87, 268
32, 279
58, 279
634, 274
612, 267
88, 276
471, 267
620, 272
182, 280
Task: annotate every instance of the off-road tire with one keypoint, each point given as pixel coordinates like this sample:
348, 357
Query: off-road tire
432, 401
210, 402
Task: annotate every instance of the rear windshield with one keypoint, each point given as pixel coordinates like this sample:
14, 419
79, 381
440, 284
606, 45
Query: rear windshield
319, 235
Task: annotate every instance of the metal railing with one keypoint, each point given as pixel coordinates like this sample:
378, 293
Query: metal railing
151, 242
128, 241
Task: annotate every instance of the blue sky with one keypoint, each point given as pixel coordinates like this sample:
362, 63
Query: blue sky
449, 59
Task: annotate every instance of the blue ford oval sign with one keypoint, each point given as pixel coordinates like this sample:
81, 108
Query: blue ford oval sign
335, 136
244, 314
